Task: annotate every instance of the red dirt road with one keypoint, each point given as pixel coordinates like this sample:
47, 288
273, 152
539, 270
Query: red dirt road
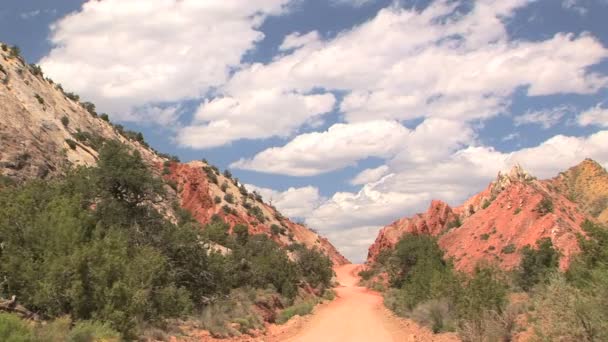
358, 314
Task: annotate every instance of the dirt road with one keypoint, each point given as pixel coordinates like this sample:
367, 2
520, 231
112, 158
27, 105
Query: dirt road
358, 314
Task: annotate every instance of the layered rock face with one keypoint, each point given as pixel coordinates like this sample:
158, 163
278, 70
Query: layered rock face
493, 226
44, 131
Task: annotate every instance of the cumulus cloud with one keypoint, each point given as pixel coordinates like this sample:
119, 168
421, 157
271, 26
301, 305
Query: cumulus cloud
341, 145
595, 116
407, 64
293, 202
546, 118
370, 175
124, 54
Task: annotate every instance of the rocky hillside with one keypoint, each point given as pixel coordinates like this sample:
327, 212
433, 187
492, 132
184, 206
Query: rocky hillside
587, 185
206, 192
45, 130
513, 211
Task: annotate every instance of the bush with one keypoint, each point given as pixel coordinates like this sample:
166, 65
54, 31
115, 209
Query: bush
484, 237
301, 309
238, 308
36, 70
65, 121
39, 98
517, 211
275, 229
437, 314
545, 206
229, 198
508, 249
87, 331
537, 264
257, 213
104, 117
486, 203
217, 199
315, 267
13, 329
455, 223
71, 143
224, 187
72, 96
15, 52
89, 107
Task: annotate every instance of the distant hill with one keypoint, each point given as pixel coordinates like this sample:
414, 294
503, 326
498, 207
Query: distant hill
515, 210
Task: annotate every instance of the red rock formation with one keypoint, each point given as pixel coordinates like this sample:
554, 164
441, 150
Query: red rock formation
433, 222
197, 195
496, 223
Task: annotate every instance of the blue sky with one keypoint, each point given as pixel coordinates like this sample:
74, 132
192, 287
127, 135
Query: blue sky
348, 113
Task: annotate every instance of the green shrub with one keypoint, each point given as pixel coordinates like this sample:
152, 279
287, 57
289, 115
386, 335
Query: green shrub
455, 223
36, 70
484, 237
65, 121
89, 107
275, 229
367, 274
301, 309
87, 331
517, 211
229, 198
211, 176
15, 52
257, 213
55, 331
224, 187
71, 143
39, 98
72, 96
217, 199
486, 203
537, 264
13, 329
545, 206
508, 249
104, 117
227, 174
437, 314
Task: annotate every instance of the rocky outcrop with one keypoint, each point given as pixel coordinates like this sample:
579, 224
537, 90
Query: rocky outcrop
587, 185
205, 195
434, 221
493, 226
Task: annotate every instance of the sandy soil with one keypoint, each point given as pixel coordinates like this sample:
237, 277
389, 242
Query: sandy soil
357, 314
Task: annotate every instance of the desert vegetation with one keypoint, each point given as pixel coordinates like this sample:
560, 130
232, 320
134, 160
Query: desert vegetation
91, 249
495, 305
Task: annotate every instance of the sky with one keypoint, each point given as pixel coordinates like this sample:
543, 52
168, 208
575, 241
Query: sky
345, 114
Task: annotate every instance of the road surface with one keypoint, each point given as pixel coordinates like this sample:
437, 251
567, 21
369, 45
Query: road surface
358, 314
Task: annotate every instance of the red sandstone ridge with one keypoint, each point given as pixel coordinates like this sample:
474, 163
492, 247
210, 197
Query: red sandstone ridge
203, 196
513, 211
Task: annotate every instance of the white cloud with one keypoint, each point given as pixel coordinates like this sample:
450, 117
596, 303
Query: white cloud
30, 14
124, 54
293, 202
596, 116
370, 175
575, 5
546, 118
407, 64
354, 3
263, 114
340, 146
